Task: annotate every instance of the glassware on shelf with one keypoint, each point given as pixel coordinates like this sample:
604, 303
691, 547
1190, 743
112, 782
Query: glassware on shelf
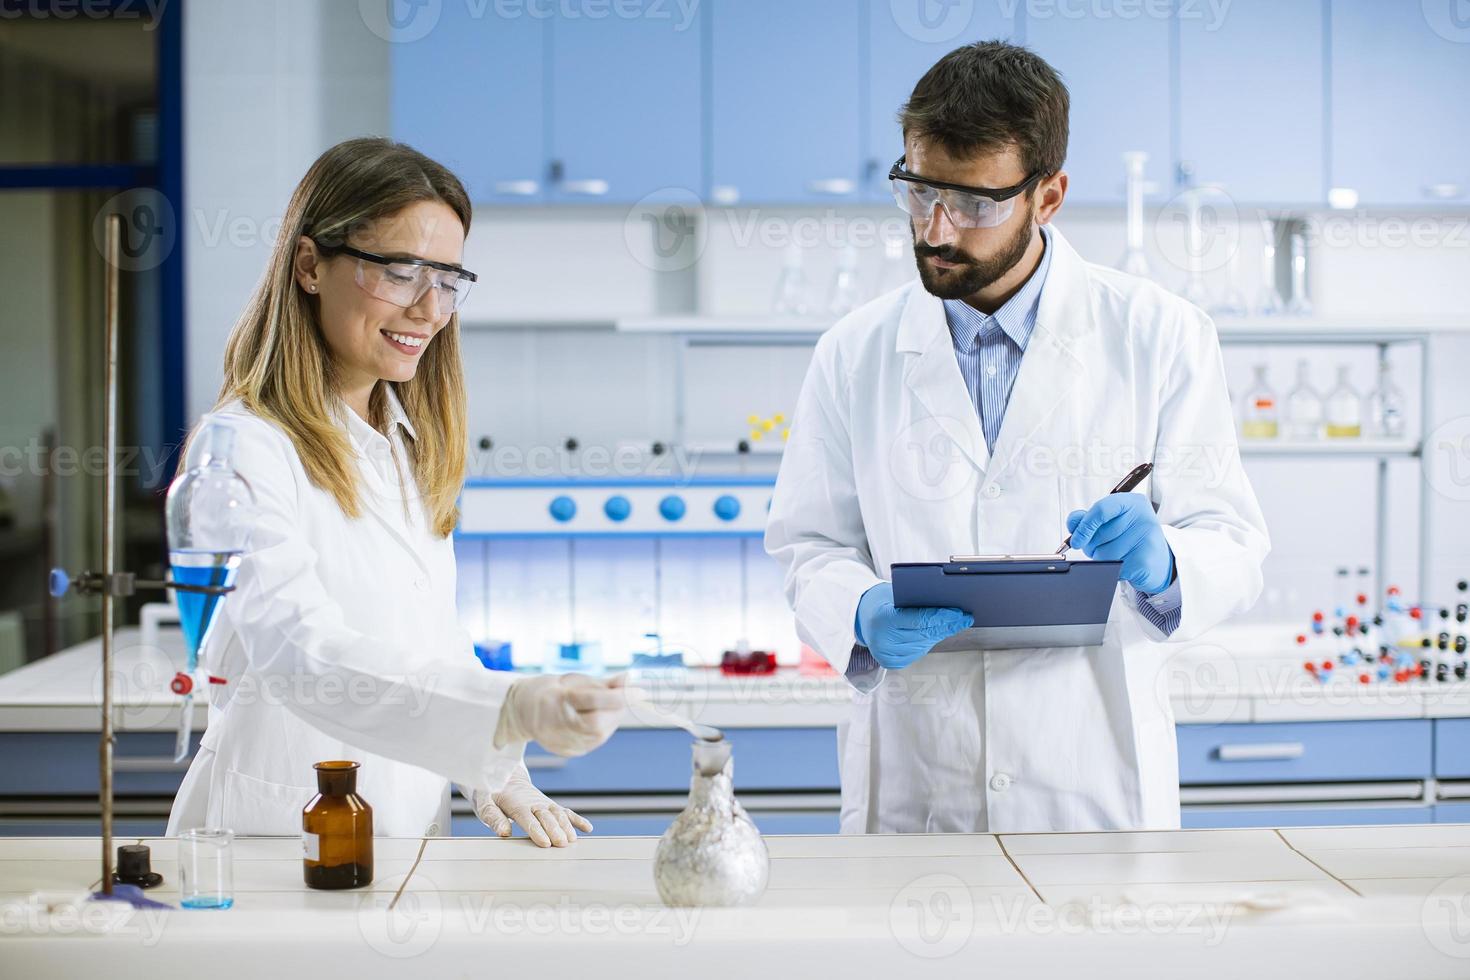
1268, 301
1134, 261
1260, 415
1344, 408
1232, 301
1386, 405
1194, 289
896, 269
1303, 406
1300, 303
791, 287
846, 293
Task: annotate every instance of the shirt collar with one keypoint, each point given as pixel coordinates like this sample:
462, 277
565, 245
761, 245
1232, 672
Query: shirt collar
364, 435
1016, 317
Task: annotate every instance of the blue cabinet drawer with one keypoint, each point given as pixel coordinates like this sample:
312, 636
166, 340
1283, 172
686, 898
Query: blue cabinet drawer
658, 760
65, 764
1347, 816
1452, 813
654, 824
1305, 751
1452, 748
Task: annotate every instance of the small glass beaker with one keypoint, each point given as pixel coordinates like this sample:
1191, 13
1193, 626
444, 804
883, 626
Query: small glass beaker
206, 868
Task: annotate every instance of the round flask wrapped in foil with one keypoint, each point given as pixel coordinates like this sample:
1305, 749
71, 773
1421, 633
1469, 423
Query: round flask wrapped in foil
712, 854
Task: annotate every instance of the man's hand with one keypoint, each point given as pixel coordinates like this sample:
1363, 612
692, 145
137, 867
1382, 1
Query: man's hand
1124, 526
897, 637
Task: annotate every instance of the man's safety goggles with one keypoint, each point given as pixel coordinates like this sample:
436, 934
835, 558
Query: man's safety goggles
966, 207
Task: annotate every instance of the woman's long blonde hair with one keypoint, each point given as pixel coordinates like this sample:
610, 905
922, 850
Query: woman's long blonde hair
277, 361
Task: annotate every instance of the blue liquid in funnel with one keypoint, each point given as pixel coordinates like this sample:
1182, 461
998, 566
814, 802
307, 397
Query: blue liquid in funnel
196, 609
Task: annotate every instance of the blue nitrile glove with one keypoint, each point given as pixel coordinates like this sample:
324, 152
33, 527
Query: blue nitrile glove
1124, 526
897, 637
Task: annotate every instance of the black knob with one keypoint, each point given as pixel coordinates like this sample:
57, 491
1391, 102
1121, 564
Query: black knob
486, 443
657, 449
571, 444
743, 446
135, 866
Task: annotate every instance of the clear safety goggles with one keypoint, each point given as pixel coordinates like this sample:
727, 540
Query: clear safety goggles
966, 207
404, 281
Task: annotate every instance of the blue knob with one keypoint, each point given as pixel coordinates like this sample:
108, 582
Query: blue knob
563, 508
671, 507
58, 583
617, 508
727, 508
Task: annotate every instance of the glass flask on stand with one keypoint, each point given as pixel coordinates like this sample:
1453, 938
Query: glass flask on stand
210, 512
1260, 415
1344, 408
1303, 406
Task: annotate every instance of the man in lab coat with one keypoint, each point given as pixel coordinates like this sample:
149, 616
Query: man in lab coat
988, 408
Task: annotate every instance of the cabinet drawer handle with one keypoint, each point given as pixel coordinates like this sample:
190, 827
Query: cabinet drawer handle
832, 185
592, 188
149, 763
1444, 192
1263, 752
545, 762
517, 188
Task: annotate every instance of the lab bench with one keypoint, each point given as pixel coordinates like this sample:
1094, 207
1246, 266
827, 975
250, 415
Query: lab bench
1346, 902
1258, 753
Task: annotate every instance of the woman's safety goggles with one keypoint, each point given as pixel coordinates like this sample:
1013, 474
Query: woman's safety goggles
966, 207
404, 281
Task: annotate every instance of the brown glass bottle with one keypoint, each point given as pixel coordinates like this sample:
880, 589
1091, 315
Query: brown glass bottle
337, 830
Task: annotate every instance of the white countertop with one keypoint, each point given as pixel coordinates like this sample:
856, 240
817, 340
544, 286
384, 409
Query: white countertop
1233, 674
1329, 902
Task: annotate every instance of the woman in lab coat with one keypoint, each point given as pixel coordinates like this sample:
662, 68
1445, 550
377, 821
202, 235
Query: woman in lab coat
344, 389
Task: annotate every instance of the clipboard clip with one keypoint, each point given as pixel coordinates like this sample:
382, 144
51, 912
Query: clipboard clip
977, 564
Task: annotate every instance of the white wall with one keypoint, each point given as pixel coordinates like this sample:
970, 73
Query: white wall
268, 89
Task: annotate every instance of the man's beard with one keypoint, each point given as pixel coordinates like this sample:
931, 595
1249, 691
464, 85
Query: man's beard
975, 274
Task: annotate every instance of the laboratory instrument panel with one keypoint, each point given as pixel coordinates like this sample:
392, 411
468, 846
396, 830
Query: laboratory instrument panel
1400, 643
608, 508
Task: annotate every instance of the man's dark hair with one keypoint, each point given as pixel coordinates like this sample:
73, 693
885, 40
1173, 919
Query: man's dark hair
989, 95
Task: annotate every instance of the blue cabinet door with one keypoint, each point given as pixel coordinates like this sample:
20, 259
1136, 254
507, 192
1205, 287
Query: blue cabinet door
1251, 100
1194, 818
469, 93
785, 88
626, 110
1117, 72
904, 40
1399, 123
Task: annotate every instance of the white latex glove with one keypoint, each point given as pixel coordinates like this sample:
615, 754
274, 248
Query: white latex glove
569, 714
547, 823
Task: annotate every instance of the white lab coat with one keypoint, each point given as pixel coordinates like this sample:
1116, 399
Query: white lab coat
886, 463
341, 641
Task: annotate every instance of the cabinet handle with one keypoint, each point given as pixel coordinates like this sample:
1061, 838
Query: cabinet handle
832, 185
517, 188
1262, 752
545, 762
149, 763
592, 188
1444, 192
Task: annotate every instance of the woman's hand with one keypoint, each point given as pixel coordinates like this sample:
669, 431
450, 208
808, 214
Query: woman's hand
547, 823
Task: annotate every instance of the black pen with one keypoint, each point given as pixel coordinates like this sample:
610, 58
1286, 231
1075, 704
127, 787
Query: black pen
1128, 482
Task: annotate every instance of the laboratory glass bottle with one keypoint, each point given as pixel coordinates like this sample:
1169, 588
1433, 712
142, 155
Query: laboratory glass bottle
1260, 416
1303, 406
1387, 405
1344, 408
791, 288
337, 830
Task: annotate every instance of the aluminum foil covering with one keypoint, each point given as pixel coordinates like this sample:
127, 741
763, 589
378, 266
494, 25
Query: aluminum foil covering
712, 854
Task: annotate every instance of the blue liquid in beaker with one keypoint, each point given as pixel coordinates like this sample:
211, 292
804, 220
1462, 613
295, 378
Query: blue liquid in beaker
196, 609
207, 902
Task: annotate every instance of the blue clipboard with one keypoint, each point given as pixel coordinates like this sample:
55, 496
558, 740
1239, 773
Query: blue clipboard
1017, 601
